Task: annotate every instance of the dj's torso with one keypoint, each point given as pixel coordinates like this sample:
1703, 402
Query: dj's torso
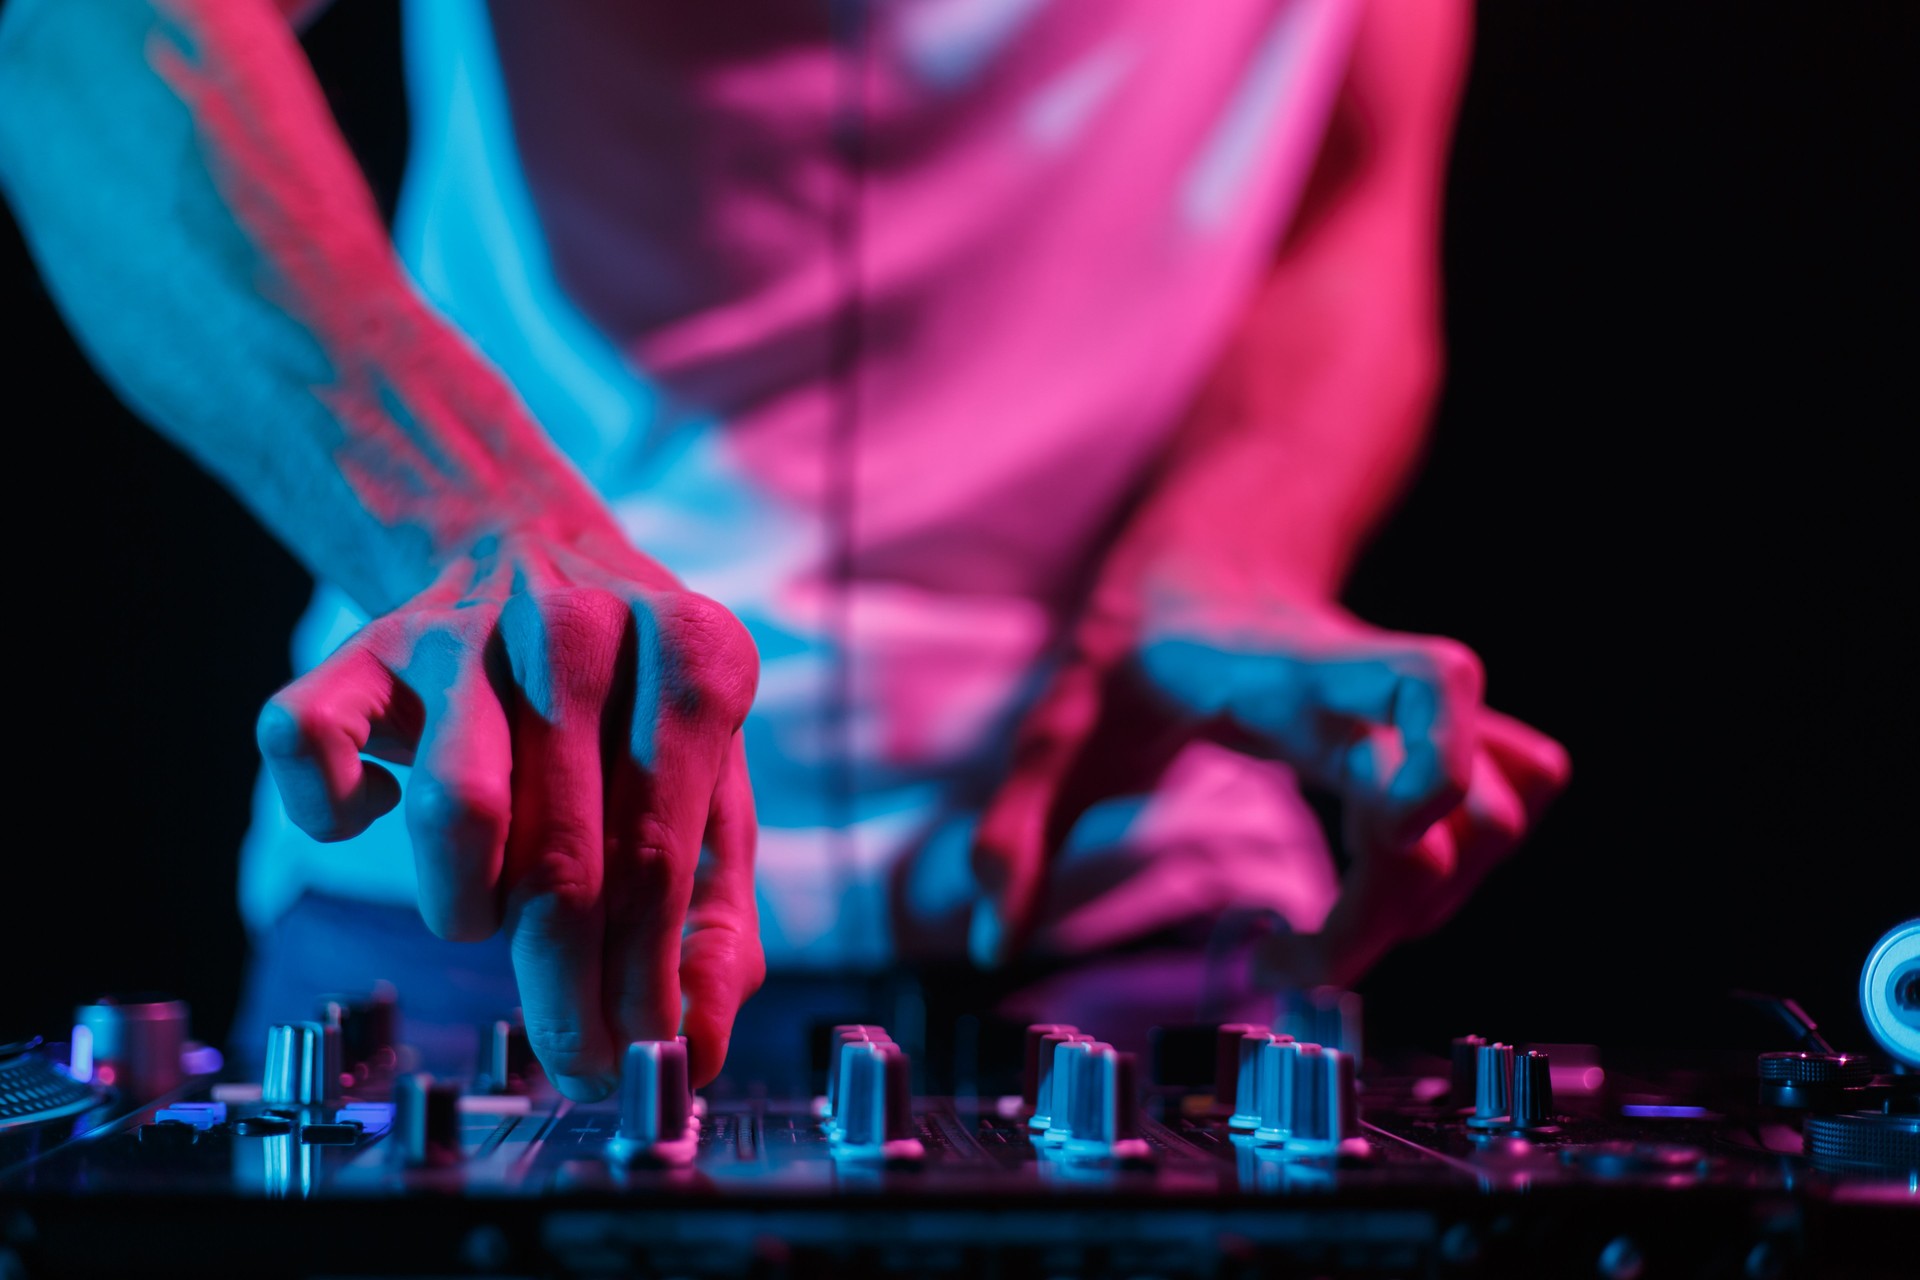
865, 316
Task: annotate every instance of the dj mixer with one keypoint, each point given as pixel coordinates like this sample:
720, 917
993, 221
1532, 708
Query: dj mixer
1231, 1150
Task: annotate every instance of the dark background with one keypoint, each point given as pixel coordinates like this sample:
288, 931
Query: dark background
1661, 501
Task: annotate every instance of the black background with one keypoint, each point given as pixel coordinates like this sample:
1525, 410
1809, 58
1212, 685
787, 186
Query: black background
1661, 501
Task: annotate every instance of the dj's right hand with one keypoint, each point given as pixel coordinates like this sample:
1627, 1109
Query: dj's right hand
572, 718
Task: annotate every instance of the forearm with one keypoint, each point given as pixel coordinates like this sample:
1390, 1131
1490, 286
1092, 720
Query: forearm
204, 230
1305, 435
1313, 418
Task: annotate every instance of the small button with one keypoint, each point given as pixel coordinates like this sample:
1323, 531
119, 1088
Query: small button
339, 1133
263, 1126
201, 1115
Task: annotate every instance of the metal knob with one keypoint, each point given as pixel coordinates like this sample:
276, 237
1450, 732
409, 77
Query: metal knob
1246, 1082
1532, 1091
1466, 1067
656, 1106
1030, 1060
1045, 1103
298, 1067
426, 1122
1492, 1087
1063, 1081
875, 1106
1102, 1123
1325, 1112
843, 1036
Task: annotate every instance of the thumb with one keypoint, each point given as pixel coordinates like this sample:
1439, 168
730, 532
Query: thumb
1010, 845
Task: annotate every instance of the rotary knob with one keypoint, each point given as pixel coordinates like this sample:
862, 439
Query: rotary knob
1812, 1081
1047, 1097
1532, 1092
874, 1108
842, 1036
301, 1065
1246, 1081
1276, 1075
426, 1122
656, 1106
1064, 1081
1030, 1061
1325, 1110
1103, 1123
1492, 1087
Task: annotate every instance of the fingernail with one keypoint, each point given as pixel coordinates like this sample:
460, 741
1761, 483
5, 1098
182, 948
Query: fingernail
986, 935
583, 1088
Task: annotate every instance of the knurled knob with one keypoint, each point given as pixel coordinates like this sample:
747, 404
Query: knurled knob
1812, 1081
656, 1105
875, 1106
1492, 1087
1102, 1123
1245, 1056
1324, 1112
1030, 1060
1064, 1081
1045, 1103
297, 1066
1277, 1075
1532, 1091
844, 1036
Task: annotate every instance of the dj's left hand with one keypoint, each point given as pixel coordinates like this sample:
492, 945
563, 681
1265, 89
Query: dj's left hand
1436, 788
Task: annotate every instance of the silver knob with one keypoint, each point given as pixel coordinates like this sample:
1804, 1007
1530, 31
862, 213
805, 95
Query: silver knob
1064, 1080
844, 1035
1492, 1087
1325, 1110
297, 1066
1277, 1070
1030, 1061
656, 1106
1246, 1080
1045, 1104
1102, 1123
875, 1106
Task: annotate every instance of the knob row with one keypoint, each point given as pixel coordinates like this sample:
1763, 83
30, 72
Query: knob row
868, 1110
1287, 1093
1506, 1089
1081, 1094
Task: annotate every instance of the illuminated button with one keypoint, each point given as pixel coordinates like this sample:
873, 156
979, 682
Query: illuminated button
201, 1115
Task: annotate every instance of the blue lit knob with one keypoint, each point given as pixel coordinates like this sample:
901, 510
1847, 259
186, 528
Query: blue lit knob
1045, 1103
296, 1068
1325, 1111
875, 1106
1532, 1091
1064, 1081
1492, 1087
656, 1106
1246, 1079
